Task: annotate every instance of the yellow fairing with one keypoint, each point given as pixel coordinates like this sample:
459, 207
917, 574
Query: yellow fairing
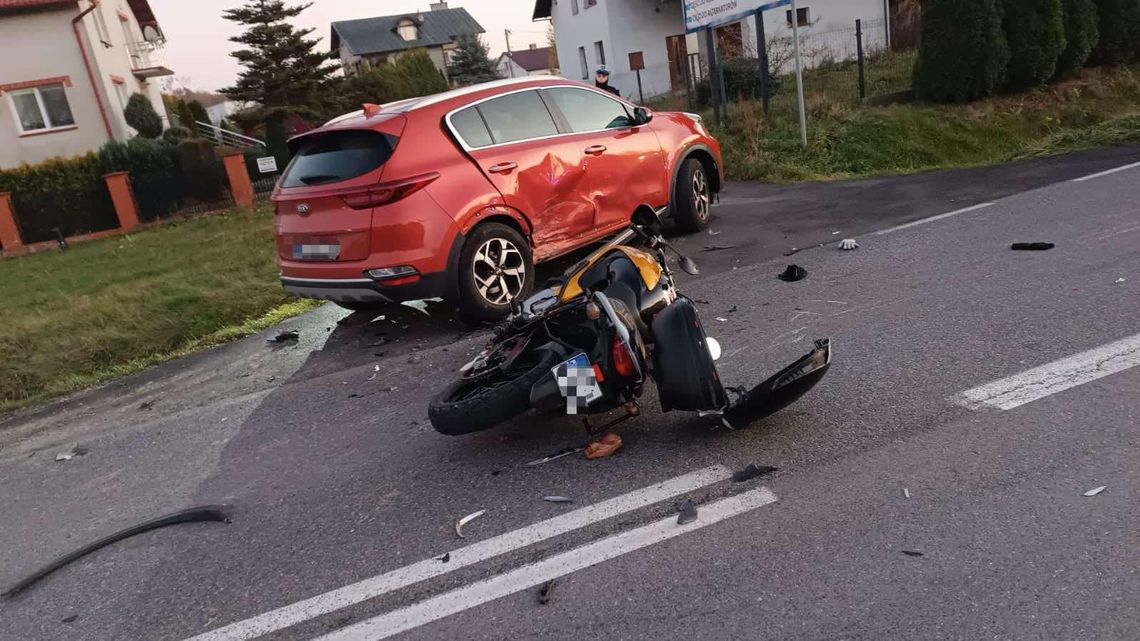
645, 262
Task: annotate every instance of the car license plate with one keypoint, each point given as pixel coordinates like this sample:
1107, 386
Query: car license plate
577, 383
316, 252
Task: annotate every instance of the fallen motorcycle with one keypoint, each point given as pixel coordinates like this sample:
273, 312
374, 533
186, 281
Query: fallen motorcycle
589, 341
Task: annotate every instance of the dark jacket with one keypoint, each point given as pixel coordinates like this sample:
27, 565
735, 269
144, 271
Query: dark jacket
608, 87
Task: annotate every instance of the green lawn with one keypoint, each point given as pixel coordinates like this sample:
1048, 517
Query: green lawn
110, 307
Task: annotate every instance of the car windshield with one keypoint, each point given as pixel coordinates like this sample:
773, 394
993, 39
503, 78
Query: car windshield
323, 158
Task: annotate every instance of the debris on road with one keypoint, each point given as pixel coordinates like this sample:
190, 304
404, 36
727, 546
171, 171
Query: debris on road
687, 513
546, 592
733, 310
835, 233
465, 520
714, 233
609, 444
445, 558
375, 373
718, 248
1096, 490
214, 513
912, 553
557, 499
557, 455
1033, 247
701, 302
847, 244
146, 405
1118, 281
69, 618
284, 337
750, 472
722, 319
793, 273
792, 252
906, 493
72, 452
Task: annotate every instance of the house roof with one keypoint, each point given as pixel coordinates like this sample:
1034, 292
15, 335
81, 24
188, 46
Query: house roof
378, 35
532, 59
141, 8
28, 4
541, 10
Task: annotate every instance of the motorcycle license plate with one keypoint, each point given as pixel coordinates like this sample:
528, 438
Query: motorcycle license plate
577, 383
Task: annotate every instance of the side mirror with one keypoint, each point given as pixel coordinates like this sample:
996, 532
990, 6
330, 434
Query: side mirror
641, 116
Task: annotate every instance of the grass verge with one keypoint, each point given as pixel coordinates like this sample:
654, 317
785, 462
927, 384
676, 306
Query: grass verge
108, 308
1100, 107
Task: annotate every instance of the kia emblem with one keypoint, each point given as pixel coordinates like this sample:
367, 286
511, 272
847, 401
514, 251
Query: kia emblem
303, 209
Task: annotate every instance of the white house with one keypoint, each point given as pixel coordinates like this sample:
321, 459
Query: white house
624, 34
67, 70
534, 61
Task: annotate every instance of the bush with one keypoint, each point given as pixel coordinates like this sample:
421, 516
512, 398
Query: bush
201, 169
1081, 35
141, 115
156, 177
412, 75
1119, 25
176, 134
198, 112
1035, 31
68, 194
963, 54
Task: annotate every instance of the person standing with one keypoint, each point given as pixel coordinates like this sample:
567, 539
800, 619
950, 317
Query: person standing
602, 81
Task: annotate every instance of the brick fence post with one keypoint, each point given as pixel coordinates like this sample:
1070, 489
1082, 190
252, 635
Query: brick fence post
119, 184
9, 231
240, 185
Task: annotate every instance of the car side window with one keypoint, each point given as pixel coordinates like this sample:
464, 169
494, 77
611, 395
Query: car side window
470, 127
589, 110
518, 116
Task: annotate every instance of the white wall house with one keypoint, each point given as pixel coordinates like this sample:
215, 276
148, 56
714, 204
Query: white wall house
535, 61
67, 70
590, 33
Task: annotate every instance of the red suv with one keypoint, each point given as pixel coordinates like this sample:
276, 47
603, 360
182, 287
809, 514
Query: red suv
459, 194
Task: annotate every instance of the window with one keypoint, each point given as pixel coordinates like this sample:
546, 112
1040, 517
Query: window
101, 27
321, 159
128, 37
585, 63
469, 126
588, 110
518, 116
591, 3
408, 30
600, 52
803, 18
42, 108
123, 95
574, 7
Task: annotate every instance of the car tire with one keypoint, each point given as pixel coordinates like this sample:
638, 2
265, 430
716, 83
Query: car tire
478, 403
692, 197
495, 268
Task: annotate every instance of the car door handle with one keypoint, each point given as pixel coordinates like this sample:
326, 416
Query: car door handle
596, 149
502, 167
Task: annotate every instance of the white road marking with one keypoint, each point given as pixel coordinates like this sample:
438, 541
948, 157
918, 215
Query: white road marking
1054, 377
923, 221
1105, 173
373, 587
528, 576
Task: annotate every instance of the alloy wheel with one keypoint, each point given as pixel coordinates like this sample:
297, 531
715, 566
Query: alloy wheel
499, 270
702, 198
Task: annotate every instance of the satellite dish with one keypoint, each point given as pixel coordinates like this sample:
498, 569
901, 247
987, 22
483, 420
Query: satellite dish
150, 34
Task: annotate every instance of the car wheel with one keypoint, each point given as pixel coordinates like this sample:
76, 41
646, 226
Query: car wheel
692, 197
495, 268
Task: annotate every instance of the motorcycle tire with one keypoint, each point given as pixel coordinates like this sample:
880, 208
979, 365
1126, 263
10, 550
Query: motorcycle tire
474, 404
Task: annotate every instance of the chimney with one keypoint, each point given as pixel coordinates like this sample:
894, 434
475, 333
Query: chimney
437, 6
533, 46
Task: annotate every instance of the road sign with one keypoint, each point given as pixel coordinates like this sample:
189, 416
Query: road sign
267, 165
701, 14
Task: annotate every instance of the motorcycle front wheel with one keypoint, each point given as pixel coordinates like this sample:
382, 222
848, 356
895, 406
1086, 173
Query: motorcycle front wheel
480, 402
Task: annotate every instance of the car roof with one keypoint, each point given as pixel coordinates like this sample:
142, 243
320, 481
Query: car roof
451, 99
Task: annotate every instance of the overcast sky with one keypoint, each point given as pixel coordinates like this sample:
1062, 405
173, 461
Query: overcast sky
198, 43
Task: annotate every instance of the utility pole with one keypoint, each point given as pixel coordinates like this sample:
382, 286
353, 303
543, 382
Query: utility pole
799, 75
510, 59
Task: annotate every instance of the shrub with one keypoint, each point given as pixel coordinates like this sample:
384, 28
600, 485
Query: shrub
1081, 35
412, 75
141, 115
1035, 31
68, 194
201, 169
963, 54
1119, 25
176, 134
156, 177
198, 112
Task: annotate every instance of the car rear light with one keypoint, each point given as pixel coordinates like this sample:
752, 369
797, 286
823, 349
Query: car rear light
388, 273
389, 192
623, 361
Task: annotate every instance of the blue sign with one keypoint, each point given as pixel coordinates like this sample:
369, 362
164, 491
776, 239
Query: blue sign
704, 14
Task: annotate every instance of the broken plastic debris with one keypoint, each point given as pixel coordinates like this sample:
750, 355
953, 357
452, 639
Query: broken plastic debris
375, 373
750, 472
546, 592
283, 337
557, 499
1035, 247
1095, 490
609, 444
912, 553
714, 233
146, 405
847, 244
717, 248
445, 558
835, 233
465, 520
72, 452
793, 273
1118, 281
557, 455
722, 319
687, 513
906, 493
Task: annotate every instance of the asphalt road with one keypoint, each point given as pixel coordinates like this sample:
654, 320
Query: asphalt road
907, 502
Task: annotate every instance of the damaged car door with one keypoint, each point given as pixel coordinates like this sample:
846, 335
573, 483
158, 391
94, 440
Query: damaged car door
537, 171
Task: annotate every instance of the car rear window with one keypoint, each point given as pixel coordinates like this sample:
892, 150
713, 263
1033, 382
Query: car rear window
518, 116
323, 158
470, 127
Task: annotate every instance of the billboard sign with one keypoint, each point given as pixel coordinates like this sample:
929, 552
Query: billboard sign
701, 14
